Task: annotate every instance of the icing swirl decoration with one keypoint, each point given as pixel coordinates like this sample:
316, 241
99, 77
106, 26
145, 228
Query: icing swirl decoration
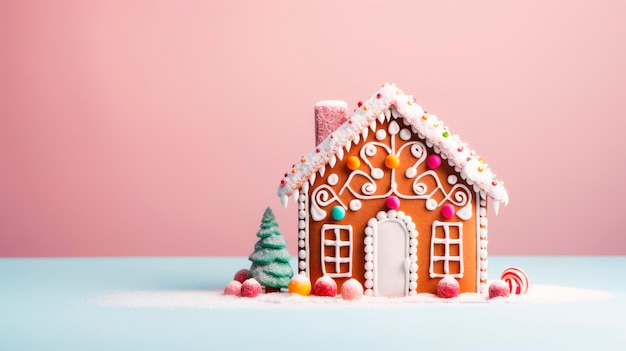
321, 197
369, 150
418, 150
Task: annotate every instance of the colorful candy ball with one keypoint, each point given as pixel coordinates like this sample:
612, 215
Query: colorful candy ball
300, 285
498, 288
448, 287
392, 161
516, 279
447, 211
433, 161
351, 289
251, 288
338, 213
325, 286
241, 275
233, 288
393, 202
353, 163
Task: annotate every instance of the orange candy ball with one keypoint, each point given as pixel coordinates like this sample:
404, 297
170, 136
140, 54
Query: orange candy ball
353, 162
300, 285
392, 161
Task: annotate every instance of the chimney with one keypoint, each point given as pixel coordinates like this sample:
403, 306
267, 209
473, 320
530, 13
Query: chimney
329, 115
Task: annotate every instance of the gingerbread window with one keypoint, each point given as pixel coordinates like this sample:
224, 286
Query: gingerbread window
337, 250
446, 250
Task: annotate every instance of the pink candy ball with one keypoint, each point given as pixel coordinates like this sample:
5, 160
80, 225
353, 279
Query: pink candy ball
498, 288
241, 275
233, 288
447, 211
448, 287
325, 286
351, 289
393, 202
433, 161
251, 288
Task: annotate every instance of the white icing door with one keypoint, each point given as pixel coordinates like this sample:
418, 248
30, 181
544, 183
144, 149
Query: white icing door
391, 260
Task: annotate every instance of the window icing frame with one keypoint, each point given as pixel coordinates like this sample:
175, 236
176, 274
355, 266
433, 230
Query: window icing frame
446, 241
337, 243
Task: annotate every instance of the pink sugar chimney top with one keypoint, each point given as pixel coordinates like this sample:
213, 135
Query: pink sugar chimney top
329, 115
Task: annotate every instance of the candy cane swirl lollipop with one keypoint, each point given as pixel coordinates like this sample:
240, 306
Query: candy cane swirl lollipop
517, 280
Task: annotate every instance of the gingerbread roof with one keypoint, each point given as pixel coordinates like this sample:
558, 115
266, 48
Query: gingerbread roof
387, 102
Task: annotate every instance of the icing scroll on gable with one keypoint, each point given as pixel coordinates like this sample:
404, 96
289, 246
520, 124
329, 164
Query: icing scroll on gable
390, 102
385, 162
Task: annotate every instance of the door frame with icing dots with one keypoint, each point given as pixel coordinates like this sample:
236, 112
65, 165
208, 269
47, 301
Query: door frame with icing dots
372, 236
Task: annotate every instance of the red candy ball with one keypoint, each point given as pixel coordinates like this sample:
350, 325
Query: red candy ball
325, 286
499, 288
241, 275
448, 287
251, 288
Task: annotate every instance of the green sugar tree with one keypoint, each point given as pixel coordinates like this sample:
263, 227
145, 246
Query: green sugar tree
270, 260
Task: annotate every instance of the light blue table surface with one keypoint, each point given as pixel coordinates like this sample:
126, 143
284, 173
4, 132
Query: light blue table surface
52, 304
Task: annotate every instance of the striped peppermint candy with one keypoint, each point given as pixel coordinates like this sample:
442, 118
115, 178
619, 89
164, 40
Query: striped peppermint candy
517, 280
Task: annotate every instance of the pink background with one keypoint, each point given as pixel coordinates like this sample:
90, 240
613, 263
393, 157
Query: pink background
164, 128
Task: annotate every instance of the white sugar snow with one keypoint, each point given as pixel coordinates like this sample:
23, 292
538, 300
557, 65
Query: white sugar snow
215, 299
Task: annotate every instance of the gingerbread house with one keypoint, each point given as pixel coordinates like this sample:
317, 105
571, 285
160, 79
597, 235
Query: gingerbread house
390, 197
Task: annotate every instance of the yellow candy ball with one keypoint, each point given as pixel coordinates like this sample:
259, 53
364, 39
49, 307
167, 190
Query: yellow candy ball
353, 163
300, 285
392, 161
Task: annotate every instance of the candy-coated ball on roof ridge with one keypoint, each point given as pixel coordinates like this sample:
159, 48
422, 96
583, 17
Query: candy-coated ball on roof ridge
338, 213
325, 286
351, 289
447, 211
393, 202
241, 275
433, 161
251, 288
234, 288
353, 163
499, 288
300, 285
448, 287
392, 161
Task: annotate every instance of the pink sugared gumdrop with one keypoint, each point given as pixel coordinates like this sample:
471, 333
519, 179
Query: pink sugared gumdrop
498, 288
233, 288
433, 161
241, 275
251, 288
325, 286
351, 289
448, 287
447, 211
